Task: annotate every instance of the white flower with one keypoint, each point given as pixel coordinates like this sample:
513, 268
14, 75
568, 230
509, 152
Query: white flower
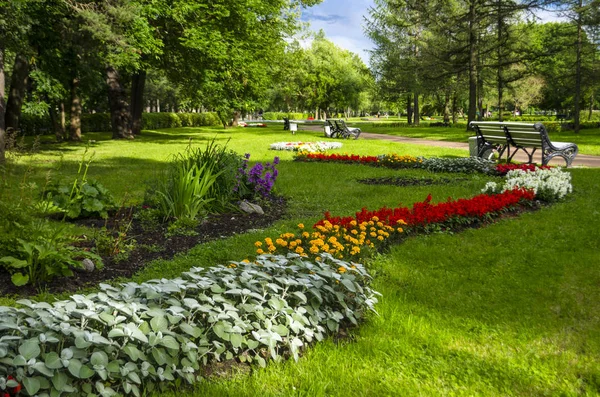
305, 146
549, 185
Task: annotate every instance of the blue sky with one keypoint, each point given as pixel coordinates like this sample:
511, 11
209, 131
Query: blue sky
342, 21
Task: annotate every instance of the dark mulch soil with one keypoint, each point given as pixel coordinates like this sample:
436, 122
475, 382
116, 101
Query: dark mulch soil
406, 181
215, 227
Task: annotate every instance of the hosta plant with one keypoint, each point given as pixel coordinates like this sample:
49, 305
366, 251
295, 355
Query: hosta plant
79, 199
135, 339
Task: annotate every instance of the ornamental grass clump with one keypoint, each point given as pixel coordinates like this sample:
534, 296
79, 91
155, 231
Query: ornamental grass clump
548, 184
135, 339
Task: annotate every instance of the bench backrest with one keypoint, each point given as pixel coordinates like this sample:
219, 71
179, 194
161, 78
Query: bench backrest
517, 134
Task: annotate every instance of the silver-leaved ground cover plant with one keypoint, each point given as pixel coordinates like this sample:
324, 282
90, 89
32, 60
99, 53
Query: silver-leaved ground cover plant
131, 339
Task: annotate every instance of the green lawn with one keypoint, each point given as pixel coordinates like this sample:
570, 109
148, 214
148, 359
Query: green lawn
509, 309
588, 140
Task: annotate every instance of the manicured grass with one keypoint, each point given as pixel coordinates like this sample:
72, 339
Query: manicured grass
508, 309
588, 140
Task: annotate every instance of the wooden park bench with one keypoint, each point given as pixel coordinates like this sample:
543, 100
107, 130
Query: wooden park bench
504, 136
337, 128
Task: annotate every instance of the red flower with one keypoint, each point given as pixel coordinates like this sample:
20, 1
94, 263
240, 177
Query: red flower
503, 169
424, 213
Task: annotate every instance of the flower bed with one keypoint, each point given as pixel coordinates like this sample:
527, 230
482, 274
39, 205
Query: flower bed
133, 339
464, 164
548, 184
503, 169
359, 236
307, 147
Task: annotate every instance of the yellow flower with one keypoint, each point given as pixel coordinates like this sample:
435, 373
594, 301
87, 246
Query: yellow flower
299, 250
314, 250
380, 238
272, 248
318, 258
246, 261
301, 226
258, 244
260, 251
305, 235
400, 230
375, 219
342, 269
268, 241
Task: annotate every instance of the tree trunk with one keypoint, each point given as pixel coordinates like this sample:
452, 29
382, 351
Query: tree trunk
18, 87
409, 111
454, 110
236, 118
577, 98
472, 62
499, 74
416, 109
63, 119
120, 116
591, 111
479, 91
446, 108
138, 82
2, 107
57, 122
75, 128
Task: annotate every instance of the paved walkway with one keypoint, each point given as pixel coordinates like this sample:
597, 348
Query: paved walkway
582, 160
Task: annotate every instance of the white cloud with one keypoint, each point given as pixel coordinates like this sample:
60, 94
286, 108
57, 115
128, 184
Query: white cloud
342, 21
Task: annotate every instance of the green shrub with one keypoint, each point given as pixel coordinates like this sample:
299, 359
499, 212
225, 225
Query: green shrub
154, 121
31, 124
199, 119
134, 339
282, 115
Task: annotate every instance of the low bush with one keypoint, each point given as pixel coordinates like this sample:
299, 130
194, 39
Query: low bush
134, 339
100, 122
96, 122
282, 115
